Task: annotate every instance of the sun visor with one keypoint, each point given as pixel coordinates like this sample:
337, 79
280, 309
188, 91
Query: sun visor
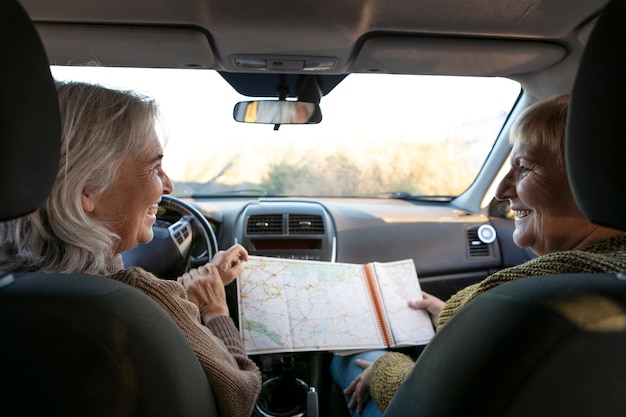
126, 46
454, 56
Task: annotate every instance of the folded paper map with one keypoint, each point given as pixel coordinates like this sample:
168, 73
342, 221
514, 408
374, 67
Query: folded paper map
288, 305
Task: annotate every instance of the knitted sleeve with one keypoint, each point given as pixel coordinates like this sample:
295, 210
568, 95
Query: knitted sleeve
388, 372
234, 378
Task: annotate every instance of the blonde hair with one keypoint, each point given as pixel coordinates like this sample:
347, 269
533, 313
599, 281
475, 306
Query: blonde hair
542, 125
100, 127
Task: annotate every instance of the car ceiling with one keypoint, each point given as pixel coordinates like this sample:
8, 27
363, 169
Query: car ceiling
444, 37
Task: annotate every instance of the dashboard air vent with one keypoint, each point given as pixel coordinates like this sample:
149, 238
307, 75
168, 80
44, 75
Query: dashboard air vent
476, 246
271, 224
300, 224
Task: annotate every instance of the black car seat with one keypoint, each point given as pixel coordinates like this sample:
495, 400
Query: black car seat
73, 345
551, 345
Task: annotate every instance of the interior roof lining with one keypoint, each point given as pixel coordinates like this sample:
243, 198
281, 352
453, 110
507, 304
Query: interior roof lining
183, 47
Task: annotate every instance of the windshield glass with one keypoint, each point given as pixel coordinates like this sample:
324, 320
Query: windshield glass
380, 134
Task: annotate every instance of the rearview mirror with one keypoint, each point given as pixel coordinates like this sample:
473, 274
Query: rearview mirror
277, 112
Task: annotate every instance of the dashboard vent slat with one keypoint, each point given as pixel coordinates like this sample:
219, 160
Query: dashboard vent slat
476, 247
271, 224
300, 224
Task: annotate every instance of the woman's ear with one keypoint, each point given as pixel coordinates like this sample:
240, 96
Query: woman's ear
87, 201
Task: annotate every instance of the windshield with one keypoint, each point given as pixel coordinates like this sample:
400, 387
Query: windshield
380, 134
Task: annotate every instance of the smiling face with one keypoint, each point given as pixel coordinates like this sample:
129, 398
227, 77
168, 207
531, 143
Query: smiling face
547, 218
128, 207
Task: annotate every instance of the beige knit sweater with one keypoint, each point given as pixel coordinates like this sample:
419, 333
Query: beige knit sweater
608, 256
234, 378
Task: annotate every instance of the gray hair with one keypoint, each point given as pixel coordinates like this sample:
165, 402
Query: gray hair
543, 125
100, 127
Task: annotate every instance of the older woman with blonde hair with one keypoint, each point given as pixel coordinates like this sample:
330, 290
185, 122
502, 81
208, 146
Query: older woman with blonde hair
547, 220
104, 201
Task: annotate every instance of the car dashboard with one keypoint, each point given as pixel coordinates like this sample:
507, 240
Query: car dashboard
443, 241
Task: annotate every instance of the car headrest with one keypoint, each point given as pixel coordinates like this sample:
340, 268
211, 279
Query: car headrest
595, 144
30, 125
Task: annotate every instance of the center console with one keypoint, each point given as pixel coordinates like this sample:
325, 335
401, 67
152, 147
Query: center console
294, 384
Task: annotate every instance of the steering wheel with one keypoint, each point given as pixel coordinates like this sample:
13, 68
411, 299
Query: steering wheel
183, 239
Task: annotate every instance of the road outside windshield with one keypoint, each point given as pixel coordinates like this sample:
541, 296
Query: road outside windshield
380, 134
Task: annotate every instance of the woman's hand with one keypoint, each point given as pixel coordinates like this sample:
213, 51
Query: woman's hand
204, 288
360, 386
205, 285
431, 304
229, 262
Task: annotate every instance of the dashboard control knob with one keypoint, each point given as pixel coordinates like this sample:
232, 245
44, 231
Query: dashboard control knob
486, 234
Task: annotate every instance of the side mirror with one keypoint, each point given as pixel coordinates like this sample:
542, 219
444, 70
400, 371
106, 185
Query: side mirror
277, 112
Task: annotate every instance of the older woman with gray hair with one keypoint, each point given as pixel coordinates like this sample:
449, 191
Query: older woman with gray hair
104, 201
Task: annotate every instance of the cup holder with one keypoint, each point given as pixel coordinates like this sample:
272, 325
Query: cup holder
283, 397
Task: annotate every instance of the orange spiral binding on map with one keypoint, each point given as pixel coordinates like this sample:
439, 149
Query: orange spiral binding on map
381, 317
